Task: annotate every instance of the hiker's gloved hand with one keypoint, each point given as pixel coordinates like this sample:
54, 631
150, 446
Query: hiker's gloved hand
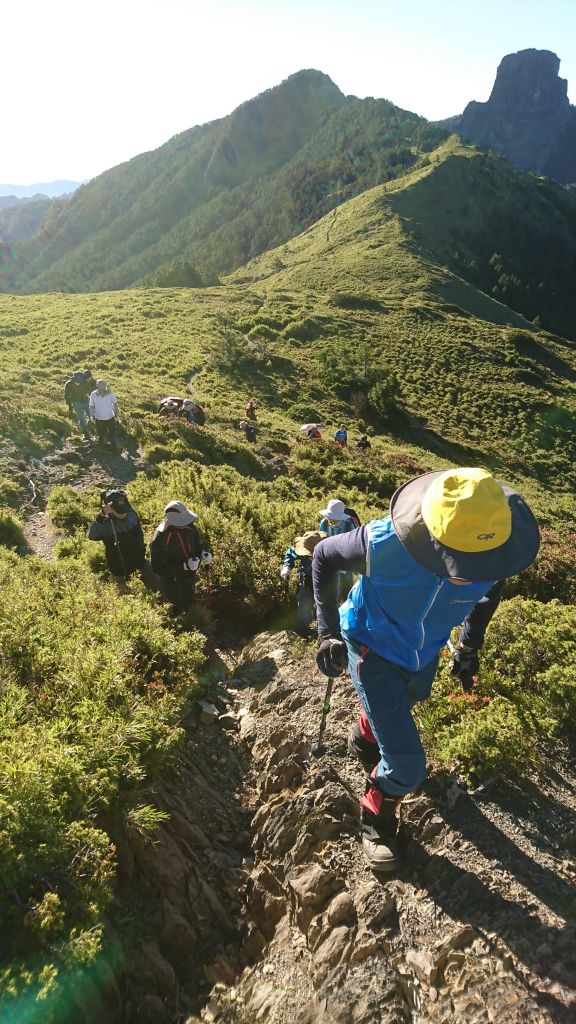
331, 656
285, 573
206, 558
464, 666
193, 564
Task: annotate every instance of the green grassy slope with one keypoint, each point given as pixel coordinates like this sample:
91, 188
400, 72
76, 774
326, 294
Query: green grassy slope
461, 217
352, 320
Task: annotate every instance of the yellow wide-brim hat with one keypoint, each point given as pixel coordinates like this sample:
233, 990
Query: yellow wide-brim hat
464, 524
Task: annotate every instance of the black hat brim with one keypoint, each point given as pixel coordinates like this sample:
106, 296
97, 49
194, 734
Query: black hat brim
516, 554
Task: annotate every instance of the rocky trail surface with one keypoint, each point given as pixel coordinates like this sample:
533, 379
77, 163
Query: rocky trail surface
76, 464
478, 926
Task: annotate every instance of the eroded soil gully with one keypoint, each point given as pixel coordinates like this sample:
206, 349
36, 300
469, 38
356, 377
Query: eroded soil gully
264, 910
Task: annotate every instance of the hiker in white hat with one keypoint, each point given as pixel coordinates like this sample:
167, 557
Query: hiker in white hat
439, 559
177, 553
337, 520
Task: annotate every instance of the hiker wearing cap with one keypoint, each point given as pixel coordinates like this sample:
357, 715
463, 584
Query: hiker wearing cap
341, 436
189, 410
251, 409
76, 395
118, 526
439, 559
363, 444
299, 556
104, 411
177, 554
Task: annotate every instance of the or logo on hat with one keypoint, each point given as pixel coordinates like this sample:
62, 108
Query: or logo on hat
460, 504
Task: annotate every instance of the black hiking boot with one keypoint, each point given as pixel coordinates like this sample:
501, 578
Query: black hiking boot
380, 837
367, 752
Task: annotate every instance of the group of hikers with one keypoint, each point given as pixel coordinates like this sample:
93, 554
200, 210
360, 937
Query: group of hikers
386, 595
312, 431
92, 401
176, 550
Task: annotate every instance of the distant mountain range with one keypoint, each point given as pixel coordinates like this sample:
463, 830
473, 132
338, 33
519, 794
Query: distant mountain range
218, 195
44, 189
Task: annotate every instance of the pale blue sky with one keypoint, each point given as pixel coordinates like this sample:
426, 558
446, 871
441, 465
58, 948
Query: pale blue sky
89, 85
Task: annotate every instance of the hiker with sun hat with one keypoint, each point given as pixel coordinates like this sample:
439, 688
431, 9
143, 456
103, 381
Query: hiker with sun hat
177, 553
438, 559
299, 557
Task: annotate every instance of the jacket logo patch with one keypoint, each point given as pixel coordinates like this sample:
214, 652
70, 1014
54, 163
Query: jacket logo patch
485, 536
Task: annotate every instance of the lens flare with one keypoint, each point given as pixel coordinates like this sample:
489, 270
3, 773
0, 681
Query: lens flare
7, 256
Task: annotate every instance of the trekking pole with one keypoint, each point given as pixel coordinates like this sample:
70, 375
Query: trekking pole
118, 548
318, 749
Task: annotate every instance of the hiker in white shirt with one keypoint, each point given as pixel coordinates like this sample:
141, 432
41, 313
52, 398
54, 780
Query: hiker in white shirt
103, 412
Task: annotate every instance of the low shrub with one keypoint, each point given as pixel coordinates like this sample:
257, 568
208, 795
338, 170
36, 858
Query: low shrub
93, 688
69, 509
525, 694
11, 530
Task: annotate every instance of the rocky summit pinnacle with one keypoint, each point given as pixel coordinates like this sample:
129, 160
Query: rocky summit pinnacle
528, 117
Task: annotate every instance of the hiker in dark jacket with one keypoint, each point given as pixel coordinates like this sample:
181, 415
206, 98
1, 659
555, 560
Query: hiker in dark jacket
251, 409
363, 444
249, 430
118, 526
170, 406
76, 395
177, 554
439, 559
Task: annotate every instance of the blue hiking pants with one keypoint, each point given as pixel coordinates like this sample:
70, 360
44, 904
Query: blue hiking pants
387, 693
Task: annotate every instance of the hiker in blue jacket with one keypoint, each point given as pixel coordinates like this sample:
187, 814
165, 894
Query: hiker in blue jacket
341, 436
299, 557
439, 559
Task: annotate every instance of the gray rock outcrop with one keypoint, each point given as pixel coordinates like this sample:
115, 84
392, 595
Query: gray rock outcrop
528, 118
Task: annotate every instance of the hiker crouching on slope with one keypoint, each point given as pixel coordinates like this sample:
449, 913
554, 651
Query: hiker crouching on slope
103, 412
439, 559
118, 526
177, 553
